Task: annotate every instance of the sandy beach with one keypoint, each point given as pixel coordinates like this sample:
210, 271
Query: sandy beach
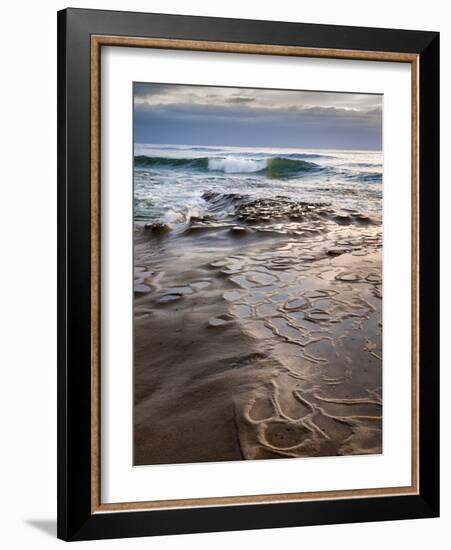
258, 335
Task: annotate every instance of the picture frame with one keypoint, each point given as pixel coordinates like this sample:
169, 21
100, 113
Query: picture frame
81, 36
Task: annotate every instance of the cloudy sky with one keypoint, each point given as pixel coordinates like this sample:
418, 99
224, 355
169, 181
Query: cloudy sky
247, 117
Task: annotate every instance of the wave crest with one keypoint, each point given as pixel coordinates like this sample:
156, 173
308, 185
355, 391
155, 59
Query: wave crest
273, 167
142, 161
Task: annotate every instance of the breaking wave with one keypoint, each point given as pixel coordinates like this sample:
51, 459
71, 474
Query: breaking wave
272, 167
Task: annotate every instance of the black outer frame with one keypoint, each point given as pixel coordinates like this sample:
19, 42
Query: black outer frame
75, 520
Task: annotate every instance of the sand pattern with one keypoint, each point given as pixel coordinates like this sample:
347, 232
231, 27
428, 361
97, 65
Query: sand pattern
267, 344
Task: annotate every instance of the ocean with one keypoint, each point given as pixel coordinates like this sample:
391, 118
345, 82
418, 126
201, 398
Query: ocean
172, 183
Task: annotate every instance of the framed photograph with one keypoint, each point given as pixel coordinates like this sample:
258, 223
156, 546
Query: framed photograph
248, 274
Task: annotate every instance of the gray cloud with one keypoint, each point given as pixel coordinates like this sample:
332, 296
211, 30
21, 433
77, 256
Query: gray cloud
292, 100
240, 99
209, 115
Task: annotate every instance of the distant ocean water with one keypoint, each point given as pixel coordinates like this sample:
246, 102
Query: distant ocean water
171, 182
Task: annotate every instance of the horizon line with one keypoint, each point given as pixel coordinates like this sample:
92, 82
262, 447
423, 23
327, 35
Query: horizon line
187, 145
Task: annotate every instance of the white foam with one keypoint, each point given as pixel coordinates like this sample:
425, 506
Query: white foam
231, 165
194, 208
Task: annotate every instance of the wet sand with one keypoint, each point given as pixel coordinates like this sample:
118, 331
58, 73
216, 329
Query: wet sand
258, 337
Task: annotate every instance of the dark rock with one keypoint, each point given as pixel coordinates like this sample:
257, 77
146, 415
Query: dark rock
157, 227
